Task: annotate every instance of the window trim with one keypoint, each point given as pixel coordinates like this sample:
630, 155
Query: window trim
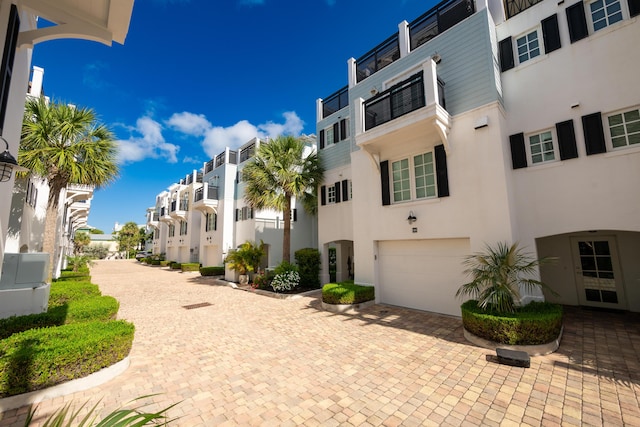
412, 177
331, 198
607, 129
624, 11
526, 33
554, 141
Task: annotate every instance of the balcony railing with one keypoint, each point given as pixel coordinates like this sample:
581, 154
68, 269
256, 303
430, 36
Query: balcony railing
173, 206
514, 7
220, 159
439, 19
403, 98
208, 167
335, 102
155, 217
199, 177
378, 58
162, 211
247, 152
233, 157
184, 205
212, 193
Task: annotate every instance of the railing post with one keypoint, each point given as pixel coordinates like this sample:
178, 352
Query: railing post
403, 38
430, 82
359, 116
351, 71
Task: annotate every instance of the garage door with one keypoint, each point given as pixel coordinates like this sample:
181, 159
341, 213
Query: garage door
422, 274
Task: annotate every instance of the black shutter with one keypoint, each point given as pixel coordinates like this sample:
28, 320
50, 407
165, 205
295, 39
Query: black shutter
518, 151
551, 33
566, 140
384, 180
337, 187
336, 132
237, 214
215, 221
441, 170
634, 7
343, 128
577, 22
9, 54
323, 195
506, 54
593, 134
345, 190
322, 139
295, 214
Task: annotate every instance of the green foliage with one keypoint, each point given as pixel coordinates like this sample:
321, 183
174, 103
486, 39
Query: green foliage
190, 266
246, 258
128, 237
175, 266
284, 267
281, 169
347, 293
40, 358
69, 417
154, 261
97, 251
96, 231
165, 262
308, 260
534, 323
212, 271
263, 281
80, 241
79, 262
497, 277
68, 290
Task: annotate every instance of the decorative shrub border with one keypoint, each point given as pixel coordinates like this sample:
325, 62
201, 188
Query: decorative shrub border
346, 296
189, 266
212, 271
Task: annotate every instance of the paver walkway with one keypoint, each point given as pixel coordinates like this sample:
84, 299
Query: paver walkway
252, 360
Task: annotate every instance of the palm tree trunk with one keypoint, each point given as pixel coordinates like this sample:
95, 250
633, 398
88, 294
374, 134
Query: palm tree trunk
286, 235
49, 243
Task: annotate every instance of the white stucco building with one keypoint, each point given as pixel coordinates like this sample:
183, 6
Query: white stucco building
104, 21
479, 122
208, 207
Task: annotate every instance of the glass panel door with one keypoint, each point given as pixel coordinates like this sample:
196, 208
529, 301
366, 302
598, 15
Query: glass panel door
598, 272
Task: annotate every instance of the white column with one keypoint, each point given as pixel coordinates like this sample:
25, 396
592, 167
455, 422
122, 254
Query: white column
351, 63
430, 82
403, 38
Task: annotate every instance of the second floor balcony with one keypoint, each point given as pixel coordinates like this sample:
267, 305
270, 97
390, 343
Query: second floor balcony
153, 219
206, 199
179, 209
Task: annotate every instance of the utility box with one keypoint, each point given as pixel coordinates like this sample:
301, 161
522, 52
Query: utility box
23, 287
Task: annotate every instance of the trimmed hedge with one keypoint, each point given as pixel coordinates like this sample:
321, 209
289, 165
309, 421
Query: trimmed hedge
308, 260
175, 266
190, 266
61, 292
164, 263
535, 323
40, 358
347, 293
212, 271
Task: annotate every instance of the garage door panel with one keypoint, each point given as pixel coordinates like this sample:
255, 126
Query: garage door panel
422, 274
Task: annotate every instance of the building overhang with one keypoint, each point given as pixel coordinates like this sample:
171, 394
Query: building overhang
103, 21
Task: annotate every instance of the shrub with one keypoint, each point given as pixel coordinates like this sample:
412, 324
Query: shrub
175, 266
164, 263
79, 262
285, 281
212, 271
347, 293
190, 266
68, 275
64, 291
534, 323
246, 259
40, 358
97, 252
308, 260
154, 262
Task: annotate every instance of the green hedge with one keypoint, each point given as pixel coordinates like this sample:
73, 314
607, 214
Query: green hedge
40, 358
535, 323
164, 263
61, 292
347, 293
175, 266
190, 266
212, 271
308, 260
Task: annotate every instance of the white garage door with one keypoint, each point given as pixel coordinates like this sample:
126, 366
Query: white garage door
422, 274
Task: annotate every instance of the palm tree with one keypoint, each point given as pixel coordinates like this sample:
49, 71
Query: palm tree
65, 145
497, 275
279, 171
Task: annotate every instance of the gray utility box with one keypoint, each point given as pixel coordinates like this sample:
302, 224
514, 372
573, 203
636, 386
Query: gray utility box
20, 271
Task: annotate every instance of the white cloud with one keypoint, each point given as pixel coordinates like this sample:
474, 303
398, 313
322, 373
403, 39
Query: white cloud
218, 138
146, 141
293, 125
189, 159
189, 123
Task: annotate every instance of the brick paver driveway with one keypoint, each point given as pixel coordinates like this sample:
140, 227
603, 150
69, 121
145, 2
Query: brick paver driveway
252, 360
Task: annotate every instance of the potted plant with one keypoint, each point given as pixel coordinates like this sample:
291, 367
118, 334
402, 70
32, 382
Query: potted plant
246, 259
494, 313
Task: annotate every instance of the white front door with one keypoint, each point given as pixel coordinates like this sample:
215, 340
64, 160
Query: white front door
598, 275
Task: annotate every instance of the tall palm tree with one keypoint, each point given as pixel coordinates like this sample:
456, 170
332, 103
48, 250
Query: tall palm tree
65, 145
279, 171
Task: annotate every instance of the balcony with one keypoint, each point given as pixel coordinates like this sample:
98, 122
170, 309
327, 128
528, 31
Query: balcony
410, 110
78, 192
205, 199
179, 209
164, 215
153, 219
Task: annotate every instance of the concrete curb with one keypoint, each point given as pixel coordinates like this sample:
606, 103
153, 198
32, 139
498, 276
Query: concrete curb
344, 308
90, 381
531, 350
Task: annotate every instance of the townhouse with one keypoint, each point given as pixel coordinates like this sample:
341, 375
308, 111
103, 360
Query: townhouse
480, 122
204, 216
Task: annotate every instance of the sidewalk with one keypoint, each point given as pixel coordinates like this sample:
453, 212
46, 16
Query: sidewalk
247, 359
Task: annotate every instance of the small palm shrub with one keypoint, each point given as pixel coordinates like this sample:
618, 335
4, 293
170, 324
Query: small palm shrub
212, 271
79, 262
347, 293
246, 259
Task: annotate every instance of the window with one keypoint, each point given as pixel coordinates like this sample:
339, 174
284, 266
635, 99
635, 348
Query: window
401, 180
541, 148
331, 193
624, 128
183, 228
604, 13
211, 222
172, 230
528, 46
329, 136
424, 176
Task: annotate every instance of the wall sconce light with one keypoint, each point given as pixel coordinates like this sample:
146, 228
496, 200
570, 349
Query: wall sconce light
8, 164
436, 58
373, 91
411, 218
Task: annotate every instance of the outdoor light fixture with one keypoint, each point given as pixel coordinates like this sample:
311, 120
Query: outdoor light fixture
7, 164
411, 218
436, 58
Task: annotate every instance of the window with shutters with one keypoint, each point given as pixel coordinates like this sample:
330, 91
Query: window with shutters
604, 13
528, 46
172, 230
331, 194
624, 128
211, 222
183, 228
541, 147
413, 178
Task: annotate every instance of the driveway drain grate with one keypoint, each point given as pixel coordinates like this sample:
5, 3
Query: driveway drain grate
192, 306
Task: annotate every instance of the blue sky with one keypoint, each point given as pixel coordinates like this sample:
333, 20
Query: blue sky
195, 76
